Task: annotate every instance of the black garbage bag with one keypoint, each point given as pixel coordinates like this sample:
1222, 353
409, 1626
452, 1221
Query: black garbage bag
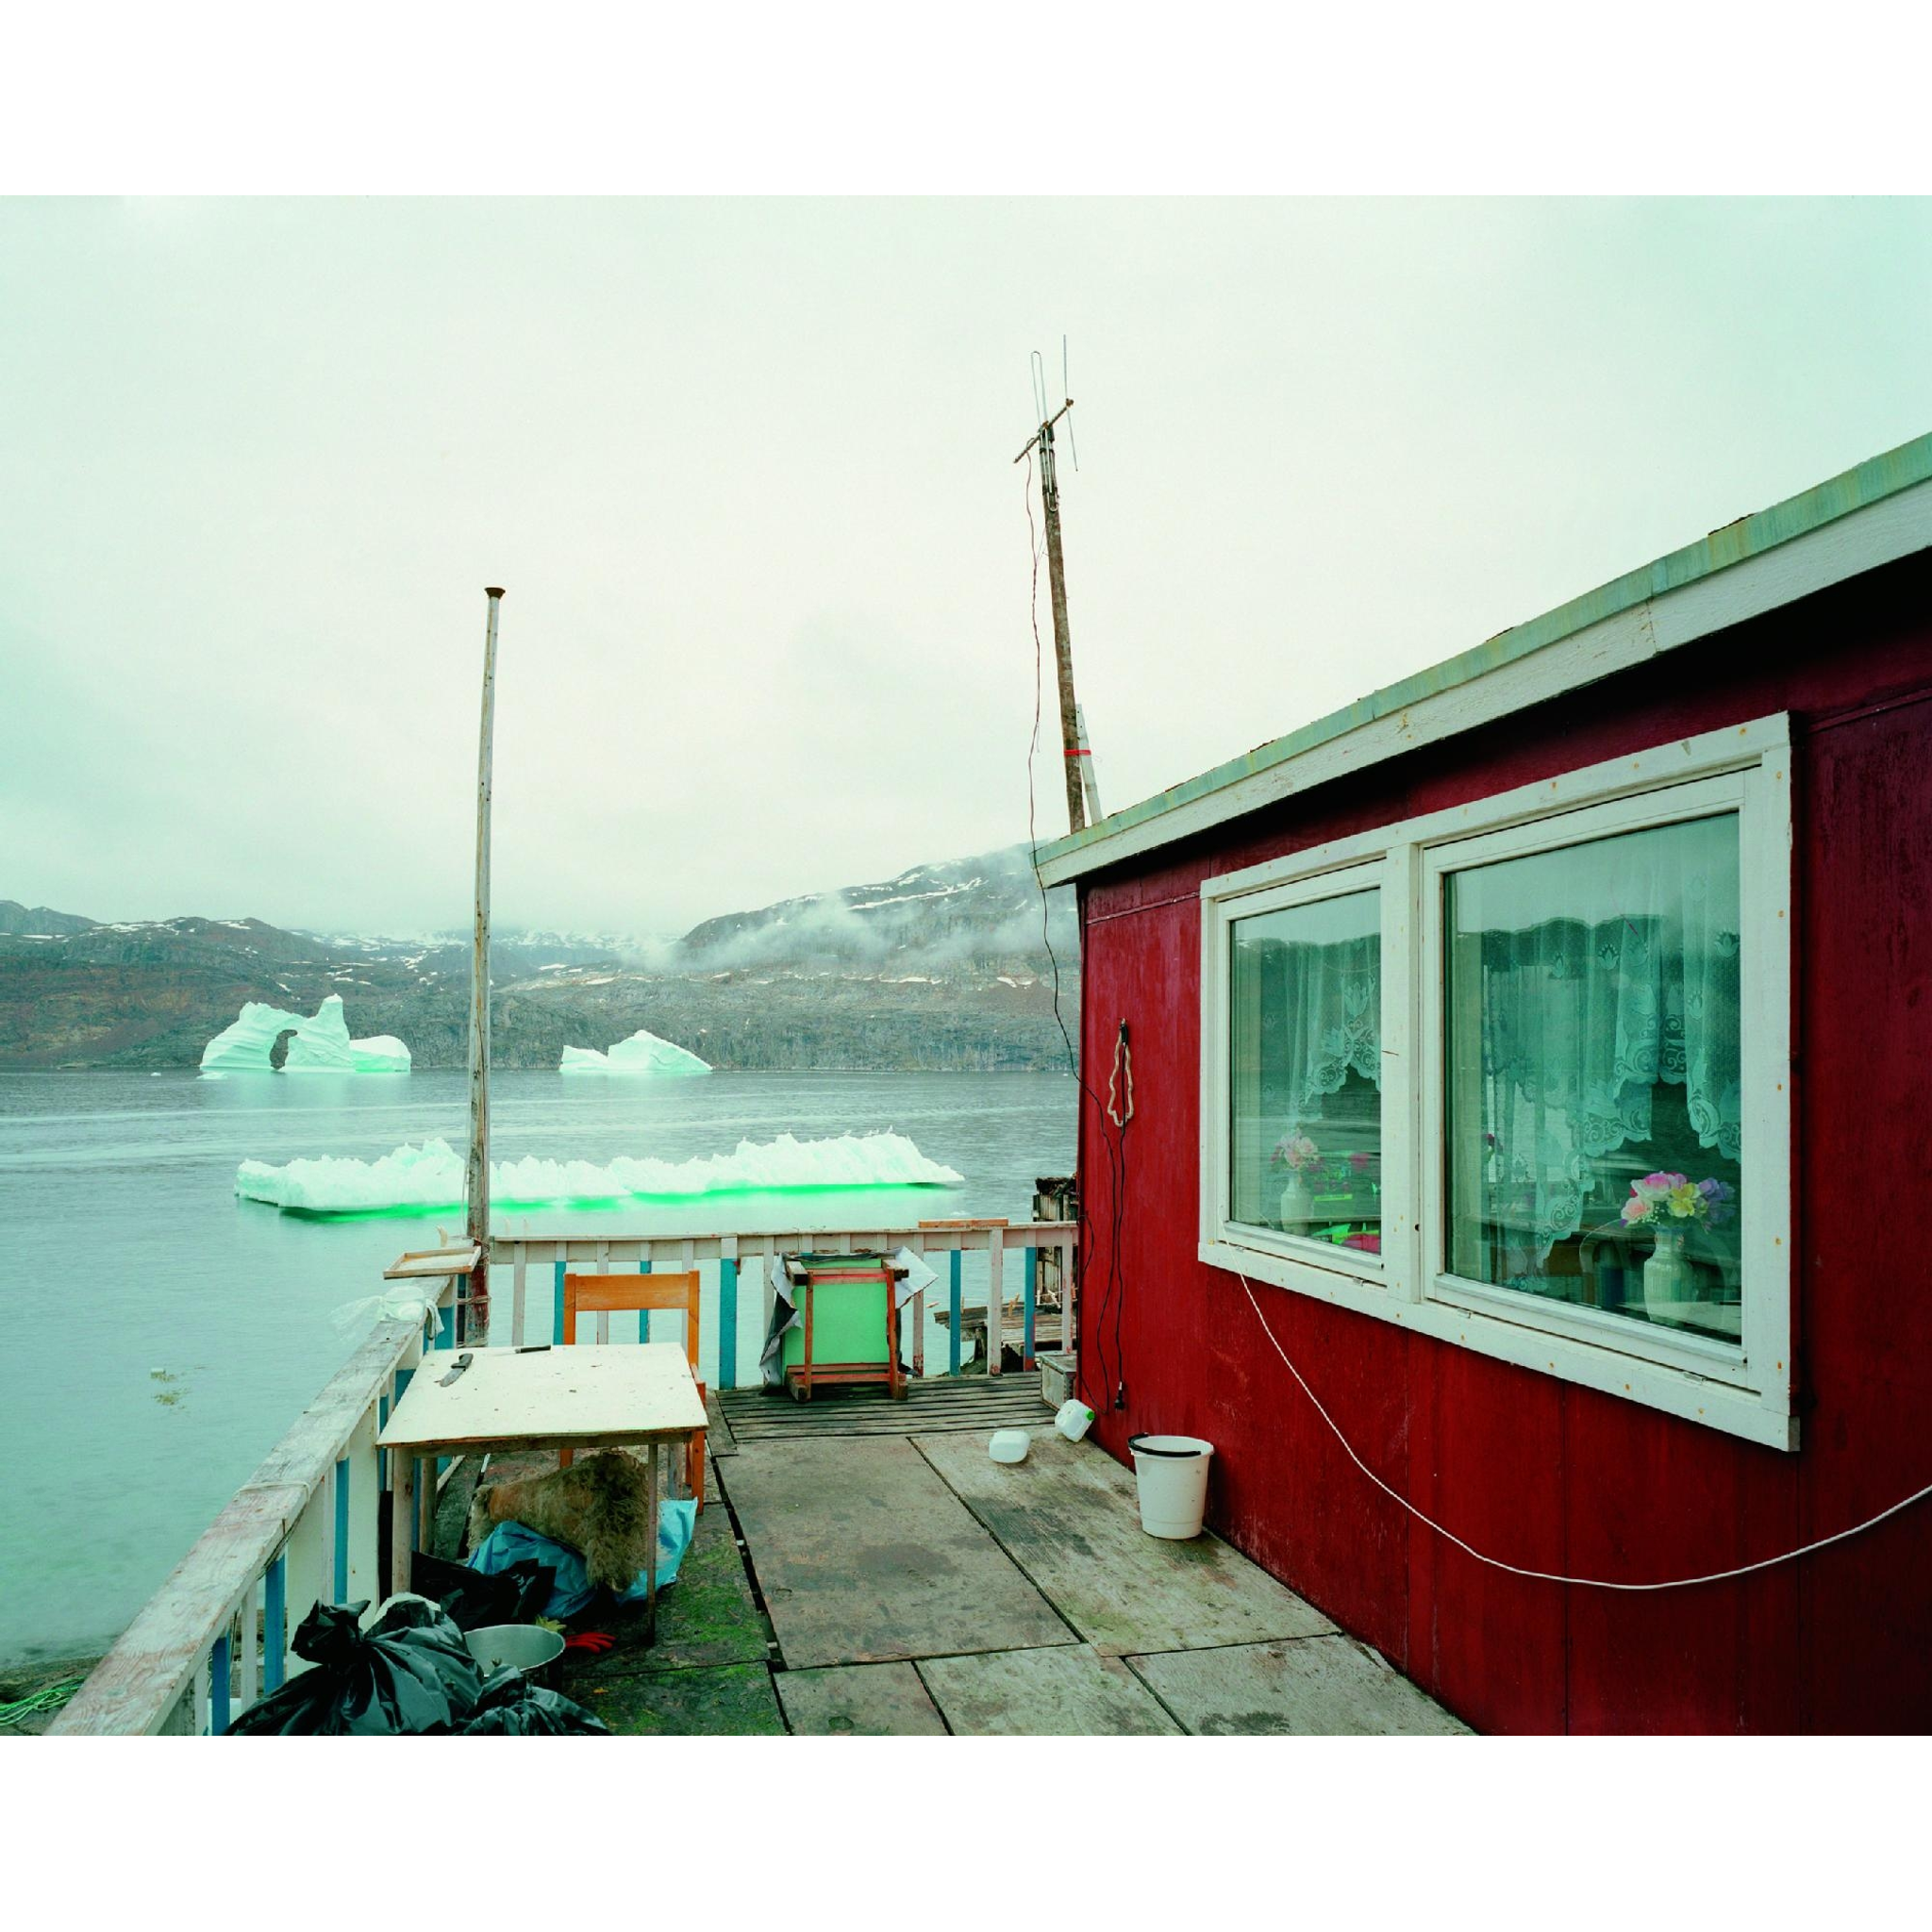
409, 1672
512, 1706
519, 1594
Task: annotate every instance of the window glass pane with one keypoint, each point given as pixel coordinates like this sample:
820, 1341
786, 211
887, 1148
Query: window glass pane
1593, 1098
1305, 1071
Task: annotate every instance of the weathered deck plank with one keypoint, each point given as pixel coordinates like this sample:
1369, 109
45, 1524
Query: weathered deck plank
864, 1555
933, 1407
719, 1440
1069, 1692
1320, 1687
859, 1700
1069, 1517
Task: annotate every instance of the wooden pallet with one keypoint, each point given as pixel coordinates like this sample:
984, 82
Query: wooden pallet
940, 1404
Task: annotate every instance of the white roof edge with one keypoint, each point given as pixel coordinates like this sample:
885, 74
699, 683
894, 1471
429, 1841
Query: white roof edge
1861, 539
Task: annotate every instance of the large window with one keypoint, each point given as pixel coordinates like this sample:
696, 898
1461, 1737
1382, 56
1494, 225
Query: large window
1592, 1107
1305, 1123
1517, 1075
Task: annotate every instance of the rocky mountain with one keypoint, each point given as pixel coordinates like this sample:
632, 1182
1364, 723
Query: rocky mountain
944, 967
16, 917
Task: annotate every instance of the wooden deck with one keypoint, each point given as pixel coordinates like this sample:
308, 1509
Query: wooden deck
937, 1405
867, 1569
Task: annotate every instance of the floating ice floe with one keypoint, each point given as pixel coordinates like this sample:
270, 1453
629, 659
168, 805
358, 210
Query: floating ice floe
643, 1053
417, 1179
321, 1045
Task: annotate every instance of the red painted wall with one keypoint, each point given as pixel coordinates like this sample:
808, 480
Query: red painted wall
1522, 1465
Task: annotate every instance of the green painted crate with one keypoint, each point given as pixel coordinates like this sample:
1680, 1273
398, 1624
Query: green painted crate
848, 1317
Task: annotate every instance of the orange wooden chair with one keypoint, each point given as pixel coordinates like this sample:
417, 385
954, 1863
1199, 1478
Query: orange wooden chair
596, 1294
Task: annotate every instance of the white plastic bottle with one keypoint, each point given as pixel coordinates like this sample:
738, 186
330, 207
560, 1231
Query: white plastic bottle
1073, 1419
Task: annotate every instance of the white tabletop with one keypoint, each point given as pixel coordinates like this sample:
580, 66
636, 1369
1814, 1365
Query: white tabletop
583, 1397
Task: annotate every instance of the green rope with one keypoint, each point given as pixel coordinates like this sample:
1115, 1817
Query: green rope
52, 1698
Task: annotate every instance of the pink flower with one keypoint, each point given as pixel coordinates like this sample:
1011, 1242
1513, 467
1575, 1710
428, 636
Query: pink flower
1296, 1153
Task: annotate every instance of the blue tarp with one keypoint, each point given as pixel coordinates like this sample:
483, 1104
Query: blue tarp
510, 1543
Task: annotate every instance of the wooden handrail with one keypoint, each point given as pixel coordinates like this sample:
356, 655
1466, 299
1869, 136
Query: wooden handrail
137, 1685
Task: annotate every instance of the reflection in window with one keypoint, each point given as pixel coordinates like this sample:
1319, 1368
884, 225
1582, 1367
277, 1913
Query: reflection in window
1305, 1071
1592, 1096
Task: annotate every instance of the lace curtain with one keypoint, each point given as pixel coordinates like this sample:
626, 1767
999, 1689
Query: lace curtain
1580, 1017
1324, 1024
1308, 1006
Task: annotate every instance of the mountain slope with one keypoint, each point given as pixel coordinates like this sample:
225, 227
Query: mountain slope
942, 967
38, 920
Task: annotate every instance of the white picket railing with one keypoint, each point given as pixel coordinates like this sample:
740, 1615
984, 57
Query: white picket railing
1042, 1252
302, 1529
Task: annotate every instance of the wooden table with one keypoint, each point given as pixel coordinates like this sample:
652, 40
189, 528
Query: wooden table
585, 1397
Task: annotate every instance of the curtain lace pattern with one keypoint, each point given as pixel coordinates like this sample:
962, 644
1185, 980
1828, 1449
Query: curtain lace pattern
1582, 1018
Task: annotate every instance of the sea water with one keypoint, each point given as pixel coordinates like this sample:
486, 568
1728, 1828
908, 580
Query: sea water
160, 1335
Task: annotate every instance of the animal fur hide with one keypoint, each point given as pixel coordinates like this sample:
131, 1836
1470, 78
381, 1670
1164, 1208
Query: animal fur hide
599, 1507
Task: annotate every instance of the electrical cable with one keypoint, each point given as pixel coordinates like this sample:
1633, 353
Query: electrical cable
1548, 1575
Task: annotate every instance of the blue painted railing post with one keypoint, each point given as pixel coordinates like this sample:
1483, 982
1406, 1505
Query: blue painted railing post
219, 1664
1032, 1296
645, 1314
341, 1595
557, 1318
274, 1617
953, 1313
727, 1323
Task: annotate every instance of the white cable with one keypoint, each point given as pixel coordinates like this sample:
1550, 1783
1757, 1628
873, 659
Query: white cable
1545, 1576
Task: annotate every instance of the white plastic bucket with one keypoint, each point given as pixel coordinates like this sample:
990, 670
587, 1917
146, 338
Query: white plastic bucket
1171, 1473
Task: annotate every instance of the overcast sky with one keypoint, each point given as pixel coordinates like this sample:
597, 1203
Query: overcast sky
746, 470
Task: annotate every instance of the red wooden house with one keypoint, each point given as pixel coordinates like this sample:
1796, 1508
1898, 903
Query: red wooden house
1539, 1051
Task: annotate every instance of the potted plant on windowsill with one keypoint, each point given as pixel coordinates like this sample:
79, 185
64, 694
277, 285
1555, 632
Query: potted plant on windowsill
1670, 1205
1299, 1160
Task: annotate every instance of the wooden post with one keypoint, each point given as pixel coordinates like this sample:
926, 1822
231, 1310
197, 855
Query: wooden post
953, 1312
1062, 640
727, 1314
1089, 779
476, 1180
1072, 748
995, 1296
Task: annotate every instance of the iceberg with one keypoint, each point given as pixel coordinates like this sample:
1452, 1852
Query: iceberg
321, 1045
643, 1053
381, 1052
420, 1179
245, 1048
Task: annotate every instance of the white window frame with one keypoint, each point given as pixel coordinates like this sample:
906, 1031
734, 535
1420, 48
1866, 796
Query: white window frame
1744, 1389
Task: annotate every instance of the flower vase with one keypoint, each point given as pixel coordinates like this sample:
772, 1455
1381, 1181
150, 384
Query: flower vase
1298, 1205
1667, 1275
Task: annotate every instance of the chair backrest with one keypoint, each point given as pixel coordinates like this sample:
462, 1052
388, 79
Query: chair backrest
593, 1294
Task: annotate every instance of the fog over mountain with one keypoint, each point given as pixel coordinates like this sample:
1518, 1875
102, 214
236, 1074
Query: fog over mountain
946, 966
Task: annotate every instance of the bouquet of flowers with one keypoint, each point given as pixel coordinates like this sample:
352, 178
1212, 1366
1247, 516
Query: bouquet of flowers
1297, 1154
1671, 1200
